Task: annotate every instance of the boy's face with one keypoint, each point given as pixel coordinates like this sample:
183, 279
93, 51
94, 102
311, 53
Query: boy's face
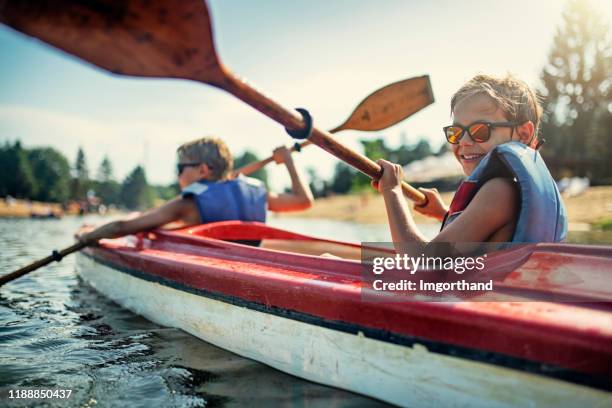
189, 175
191, 172
475, 109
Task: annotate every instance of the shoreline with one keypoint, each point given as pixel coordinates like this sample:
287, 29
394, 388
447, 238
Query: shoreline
585, 211
588, 211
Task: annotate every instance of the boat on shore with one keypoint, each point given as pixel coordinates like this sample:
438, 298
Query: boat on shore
315, 317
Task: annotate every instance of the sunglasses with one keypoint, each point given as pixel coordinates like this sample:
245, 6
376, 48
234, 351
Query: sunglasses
479, 132
181, 166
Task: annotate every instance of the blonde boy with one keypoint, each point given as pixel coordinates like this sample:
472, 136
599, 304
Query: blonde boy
209, 193
509, 195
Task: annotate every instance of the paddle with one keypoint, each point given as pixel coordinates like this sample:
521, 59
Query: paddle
55, 256
164, 38
379, 110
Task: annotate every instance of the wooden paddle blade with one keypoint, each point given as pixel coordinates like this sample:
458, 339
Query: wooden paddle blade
390, 105
162, 38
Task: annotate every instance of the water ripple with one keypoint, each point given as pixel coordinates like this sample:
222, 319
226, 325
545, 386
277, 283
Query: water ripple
56, 332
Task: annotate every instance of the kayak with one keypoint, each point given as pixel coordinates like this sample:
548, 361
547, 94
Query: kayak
297, 303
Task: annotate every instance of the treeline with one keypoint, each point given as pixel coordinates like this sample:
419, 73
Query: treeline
44, 174
577, 94
348, 180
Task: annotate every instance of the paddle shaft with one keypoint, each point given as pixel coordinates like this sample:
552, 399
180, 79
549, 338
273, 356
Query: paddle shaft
41, 262
290, 120
253, 167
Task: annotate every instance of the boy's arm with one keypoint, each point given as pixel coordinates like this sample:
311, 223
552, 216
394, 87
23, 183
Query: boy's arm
301, 197
493, 208
174, 210
404, 230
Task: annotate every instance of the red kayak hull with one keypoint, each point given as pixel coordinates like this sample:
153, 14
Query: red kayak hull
569, 341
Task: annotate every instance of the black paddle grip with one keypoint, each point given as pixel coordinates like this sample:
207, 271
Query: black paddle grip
302, 133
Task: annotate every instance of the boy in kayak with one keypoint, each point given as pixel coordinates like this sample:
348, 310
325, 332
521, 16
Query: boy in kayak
209, 193
509, 194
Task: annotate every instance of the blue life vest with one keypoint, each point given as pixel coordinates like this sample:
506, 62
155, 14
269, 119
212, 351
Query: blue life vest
542, 216
243, 199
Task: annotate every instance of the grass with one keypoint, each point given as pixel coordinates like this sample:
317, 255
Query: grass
604, 225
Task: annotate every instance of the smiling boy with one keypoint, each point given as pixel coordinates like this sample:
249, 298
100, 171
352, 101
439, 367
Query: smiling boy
509, 194
209, 193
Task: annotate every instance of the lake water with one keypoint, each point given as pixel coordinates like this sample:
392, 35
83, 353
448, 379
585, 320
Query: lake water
57, 333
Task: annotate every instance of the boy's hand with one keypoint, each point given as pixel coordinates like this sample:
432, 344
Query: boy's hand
435, 206
281, 155
83, 234
392, 177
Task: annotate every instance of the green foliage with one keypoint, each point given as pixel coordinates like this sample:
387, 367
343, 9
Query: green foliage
343, 178
166, 192
52, 174
43, 174
135, 192
318, 186
80, 181
16, 178
107, 191
105, 171
249, 157
375, 150
407, 154
105, 186
604, 225
578, 91
346, 179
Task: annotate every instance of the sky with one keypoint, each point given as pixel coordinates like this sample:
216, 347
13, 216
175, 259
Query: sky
323, 55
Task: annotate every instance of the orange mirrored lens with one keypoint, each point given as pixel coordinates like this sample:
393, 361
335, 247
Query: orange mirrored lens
453, 134
479, 132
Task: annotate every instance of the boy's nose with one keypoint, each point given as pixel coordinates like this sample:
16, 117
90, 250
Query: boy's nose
466, 140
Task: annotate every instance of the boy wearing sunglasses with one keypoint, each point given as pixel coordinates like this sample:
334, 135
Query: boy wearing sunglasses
209, 193
509, 194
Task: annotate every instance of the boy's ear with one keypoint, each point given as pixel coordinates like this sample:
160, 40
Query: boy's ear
204, 171
525, 132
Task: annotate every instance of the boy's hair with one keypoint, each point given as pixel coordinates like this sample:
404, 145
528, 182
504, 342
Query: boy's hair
510, 94
210, 151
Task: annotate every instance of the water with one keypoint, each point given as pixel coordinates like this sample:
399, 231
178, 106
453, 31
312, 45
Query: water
57, 333
342, 230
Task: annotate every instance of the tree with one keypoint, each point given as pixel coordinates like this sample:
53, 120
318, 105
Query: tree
166, 192
52, 173
318, 186
80, 179
105, 171
249, 157
343, 178
16, 178
374, 150
577, 89
105, 186
107, 191
135, 191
